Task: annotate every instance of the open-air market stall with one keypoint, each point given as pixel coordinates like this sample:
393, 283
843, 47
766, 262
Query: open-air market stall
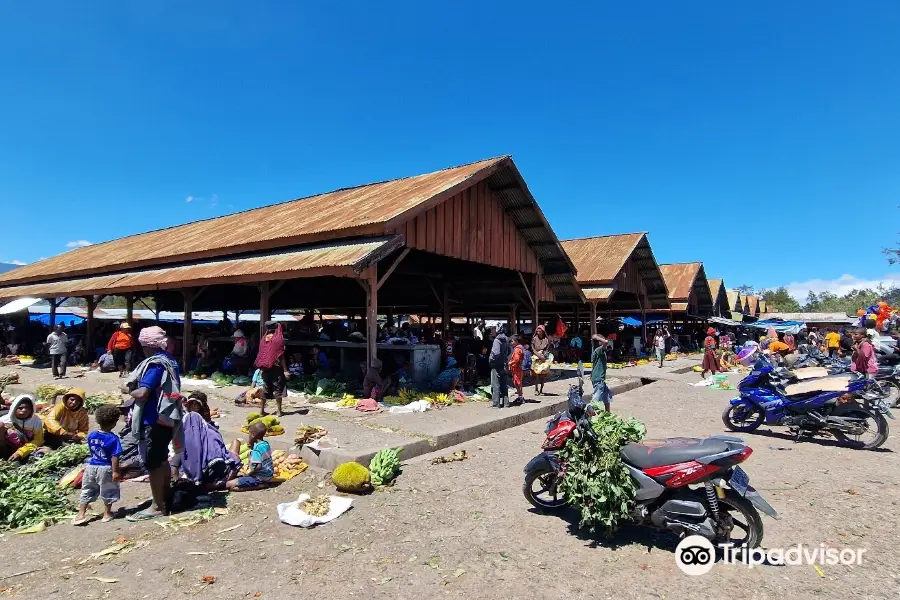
460, 241
618, 275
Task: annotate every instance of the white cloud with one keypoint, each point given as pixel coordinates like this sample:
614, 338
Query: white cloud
78, 244
840, 286
15, 262
214, 200
189, 199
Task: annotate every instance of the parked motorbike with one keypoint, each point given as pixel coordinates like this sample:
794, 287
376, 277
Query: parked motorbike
855, 415
687, 486
888, 375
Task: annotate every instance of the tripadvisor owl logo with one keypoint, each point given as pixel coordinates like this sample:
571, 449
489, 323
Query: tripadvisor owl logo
695, 555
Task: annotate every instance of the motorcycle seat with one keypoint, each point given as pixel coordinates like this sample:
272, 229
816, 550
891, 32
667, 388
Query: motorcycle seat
670, 451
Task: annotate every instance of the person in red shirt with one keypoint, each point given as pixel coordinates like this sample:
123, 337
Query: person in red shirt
120, 345
863, 359
710, 362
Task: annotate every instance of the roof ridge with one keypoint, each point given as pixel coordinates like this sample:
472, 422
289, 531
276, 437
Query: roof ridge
594, 237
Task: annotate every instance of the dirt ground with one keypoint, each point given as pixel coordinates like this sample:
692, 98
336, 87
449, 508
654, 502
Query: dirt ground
465, 530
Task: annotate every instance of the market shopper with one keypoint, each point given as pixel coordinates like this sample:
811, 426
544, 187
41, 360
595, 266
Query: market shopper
120, 345
516, 362
601, 391
498, 359
101, 475
58, 347
659, 345
710, 362
156, 416
272, 366
863, 357
833, 343
540, 358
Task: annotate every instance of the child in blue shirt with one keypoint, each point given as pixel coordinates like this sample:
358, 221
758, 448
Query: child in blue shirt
261, 469
101, 475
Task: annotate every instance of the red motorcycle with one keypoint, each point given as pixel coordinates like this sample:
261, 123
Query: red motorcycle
688, 486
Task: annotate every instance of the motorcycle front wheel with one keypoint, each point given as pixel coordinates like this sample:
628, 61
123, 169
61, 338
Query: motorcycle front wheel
747, 525
743, 417
542, 491
872, 435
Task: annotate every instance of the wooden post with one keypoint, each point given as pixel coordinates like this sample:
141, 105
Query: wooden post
52, 313
187, 342
263, 307
534, 298
593, 318
513, 320
445, 317
372, 315
129, 310
89, 333
577, 319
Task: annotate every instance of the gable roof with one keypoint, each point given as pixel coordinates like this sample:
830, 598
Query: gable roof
680, 278
752, 304
735, 302
763, 307
598, 260
361, 210
716, 287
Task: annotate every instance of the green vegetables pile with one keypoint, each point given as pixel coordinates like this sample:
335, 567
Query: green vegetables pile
221, 378
330, 388
596, 480
385, 466
94, 401
29, 495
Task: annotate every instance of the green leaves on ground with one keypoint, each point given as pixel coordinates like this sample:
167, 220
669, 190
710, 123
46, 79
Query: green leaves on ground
596, 481
27, 499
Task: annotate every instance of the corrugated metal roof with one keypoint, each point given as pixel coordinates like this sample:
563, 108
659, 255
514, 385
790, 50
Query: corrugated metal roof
752, 304
762, 306
679, 279
597, 292
348, 210
735, 302
287, 263
599, 259
715, 286
812, 317
679, 306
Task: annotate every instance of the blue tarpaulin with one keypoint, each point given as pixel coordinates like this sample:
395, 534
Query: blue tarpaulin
791, 327
69, 319
630, 321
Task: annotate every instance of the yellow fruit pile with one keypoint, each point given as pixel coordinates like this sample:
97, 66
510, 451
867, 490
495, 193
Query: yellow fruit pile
273, 425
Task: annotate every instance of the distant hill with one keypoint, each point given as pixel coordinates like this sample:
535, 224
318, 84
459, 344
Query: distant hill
4, 267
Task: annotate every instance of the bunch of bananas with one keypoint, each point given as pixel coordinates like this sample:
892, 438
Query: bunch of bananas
385, 466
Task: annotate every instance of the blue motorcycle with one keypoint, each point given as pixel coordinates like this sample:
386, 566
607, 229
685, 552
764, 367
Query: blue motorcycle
763, 399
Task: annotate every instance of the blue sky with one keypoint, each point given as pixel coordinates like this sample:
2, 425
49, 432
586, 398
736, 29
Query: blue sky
760, 139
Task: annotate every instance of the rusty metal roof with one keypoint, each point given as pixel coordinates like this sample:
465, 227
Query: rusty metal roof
763, 307
336, 258
735, 302
680, 278
716, 286
362, 210
599, 259
681, 306
752, 304
599, 292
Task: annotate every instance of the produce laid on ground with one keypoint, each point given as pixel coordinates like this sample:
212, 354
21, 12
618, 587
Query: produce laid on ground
8, 379
287, 465
597, 482
348, 401
455, 457
92, 402
328, 389
29, 495
309, 433
385, 466
7, 361
352, 477
273, 425
48, 393
316, 507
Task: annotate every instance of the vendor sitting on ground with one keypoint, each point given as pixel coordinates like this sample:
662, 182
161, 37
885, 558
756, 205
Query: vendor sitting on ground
239, 359
261, 469
373, 384
205, 459
197, 402
448, 378
21, 431
67, 422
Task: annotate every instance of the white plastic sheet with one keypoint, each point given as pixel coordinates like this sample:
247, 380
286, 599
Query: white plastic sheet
412, 407
291, 514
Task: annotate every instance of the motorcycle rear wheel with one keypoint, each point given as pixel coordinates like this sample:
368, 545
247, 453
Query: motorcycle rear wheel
880, 435
745, 519
542, 498
751, 419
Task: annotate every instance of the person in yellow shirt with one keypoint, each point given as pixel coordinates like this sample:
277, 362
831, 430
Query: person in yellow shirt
833, 342
67, 422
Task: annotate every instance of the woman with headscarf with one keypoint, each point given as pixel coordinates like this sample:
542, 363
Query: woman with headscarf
373, 384
21, 430
67, 422
541, 358
710, 362
239, 359
448, 379
272, 366
206, 460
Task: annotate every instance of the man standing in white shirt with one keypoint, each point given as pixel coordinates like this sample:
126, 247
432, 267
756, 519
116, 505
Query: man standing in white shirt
58, 343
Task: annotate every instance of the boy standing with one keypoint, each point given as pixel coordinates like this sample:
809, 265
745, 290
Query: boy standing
101, 475
261, 469
598, 371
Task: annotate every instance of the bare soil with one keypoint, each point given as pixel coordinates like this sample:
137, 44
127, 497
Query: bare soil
465, 530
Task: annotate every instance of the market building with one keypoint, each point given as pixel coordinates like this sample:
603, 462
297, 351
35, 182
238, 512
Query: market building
719, 298
735, 304
464, 240
688, 289
618, 275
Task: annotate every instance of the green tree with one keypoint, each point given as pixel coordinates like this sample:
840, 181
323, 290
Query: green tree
779, 300
746, 290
